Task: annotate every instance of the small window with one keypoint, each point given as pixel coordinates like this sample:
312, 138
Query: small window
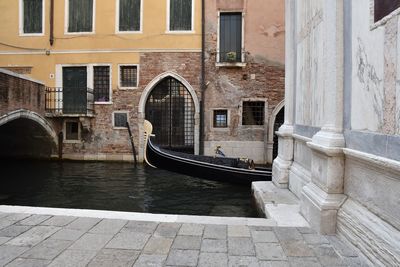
128, 76
253, 113
230, 37
80, 15
120, 119
129, 15
32, 20
101, 83
382, 8
71, 130
180, 15
220, 119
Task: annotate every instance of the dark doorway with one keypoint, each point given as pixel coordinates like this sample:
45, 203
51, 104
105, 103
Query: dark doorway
279, 120
170, 109
74, 90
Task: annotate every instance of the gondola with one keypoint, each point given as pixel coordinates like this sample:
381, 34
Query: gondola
223, 169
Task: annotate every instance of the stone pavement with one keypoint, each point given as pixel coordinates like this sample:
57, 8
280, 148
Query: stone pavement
48, 240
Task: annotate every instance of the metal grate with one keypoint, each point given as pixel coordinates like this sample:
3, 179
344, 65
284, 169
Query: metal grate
220, 118
253, 113
170, 109
120, 119
101, 83
128, 76
56, 104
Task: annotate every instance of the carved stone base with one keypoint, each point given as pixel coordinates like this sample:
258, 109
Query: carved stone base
281, 165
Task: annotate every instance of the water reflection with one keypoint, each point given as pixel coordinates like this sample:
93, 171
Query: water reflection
118, 186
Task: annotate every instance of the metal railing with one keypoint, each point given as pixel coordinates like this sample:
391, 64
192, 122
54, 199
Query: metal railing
71, 101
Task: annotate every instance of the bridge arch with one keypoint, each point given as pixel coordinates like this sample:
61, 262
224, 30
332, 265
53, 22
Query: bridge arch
24, 127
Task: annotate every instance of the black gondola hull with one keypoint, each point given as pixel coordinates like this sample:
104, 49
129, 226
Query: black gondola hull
161, 159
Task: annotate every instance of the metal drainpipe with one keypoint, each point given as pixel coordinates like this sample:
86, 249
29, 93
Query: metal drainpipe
202, 83
51, 22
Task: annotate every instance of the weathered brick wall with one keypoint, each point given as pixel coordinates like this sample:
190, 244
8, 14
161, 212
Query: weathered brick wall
17, 93
103, 138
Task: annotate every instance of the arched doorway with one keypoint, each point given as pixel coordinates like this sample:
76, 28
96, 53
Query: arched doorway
171, 110
279, 120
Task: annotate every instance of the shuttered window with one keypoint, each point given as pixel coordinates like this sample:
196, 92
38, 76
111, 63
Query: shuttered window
230, 37
120, 119
129, 15
101, 83
80, 16
180, 15
32, 16
382, 8
127, 76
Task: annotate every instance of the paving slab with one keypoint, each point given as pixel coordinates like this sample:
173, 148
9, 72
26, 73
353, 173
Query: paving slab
214, 245
275, 264
5, 223
304, 262
17, 216
191, 229
129, 240
238, 231
270, 251
287, 233
150, 260
241, 246
215, 231
91, 241
108, 226
207, 259
183, 257
68, 234
47, 250
83, 223
34, 219
114, 258
167, 229
314, 239
59, 220
239, 261
141, 227
297, 248
264, 237
73, 258
158, 245
187, 242
20, 262
4, 239
14, 230
9, 253
33, 236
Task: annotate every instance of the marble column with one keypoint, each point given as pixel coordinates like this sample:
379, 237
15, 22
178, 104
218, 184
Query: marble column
281, 165
323, 196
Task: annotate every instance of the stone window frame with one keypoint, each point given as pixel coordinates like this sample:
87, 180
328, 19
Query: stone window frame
66, 20
113, 119
21, 20
228, 117
71, 141
137, 77
169, 31
384, 20
265, 100
117, 31
217, 59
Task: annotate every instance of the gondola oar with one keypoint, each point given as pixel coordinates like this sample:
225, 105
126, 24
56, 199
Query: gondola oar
133, 145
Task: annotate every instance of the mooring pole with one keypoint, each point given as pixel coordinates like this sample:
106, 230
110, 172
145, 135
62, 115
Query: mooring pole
60, 145
133, 145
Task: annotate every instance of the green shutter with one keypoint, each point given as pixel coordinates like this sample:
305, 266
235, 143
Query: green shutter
180, 16
33, 16
129, 15
80, 16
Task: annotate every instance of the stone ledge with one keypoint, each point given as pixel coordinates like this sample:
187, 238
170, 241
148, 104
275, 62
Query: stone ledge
278, 204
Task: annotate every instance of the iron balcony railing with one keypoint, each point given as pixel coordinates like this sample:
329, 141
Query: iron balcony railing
69, 101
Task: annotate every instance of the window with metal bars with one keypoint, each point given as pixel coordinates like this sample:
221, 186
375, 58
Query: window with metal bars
128, 76
120, 119
180, 15
220, 119
253, 113
71, 130
80, 15
32, 11
129, 15
101, 83
382, 8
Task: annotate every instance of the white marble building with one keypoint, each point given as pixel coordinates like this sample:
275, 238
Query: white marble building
339, 149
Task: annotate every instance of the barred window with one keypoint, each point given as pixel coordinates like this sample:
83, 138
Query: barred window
220, 119
382, 8
32, 16
120, 119
80, 16
129, 15
253, 113
180, 15
128, 76
71, 130
101, 83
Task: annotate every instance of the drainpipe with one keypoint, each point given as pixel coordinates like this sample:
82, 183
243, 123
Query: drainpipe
51, 22
202, 82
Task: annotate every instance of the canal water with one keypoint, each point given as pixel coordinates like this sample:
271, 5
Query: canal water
118, 187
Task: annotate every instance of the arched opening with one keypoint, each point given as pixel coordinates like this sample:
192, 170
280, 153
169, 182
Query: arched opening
24, 134
171, 110
279, 120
